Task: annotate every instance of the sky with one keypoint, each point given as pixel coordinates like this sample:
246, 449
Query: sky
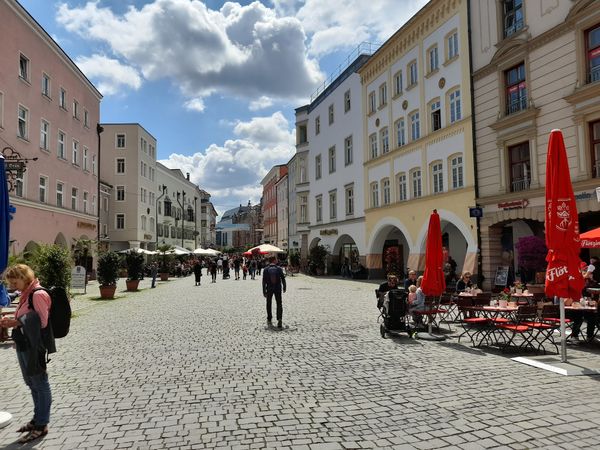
216, 83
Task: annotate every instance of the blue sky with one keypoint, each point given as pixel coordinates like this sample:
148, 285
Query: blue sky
215, 82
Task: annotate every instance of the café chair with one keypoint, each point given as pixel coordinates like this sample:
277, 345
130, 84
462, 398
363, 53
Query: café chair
521, 326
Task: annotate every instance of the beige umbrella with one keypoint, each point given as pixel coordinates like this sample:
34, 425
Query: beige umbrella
267, 248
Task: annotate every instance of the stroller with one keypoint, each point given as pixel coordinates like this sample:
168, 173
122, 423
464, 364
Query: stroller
393, 306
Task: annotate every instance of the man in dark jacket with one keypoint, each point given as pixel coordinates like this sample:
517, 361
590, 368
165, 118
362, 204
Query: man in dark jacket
273, 282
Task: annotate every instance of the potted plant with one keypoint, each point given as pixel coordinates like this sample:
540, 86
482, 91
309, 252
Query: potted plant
52, 265
164, 261
108, 274
504, 298
135, 269
318, 255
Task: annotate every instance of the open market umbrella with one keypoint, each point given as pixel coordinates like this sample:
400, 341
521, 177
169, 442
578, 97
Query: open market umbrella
590, 239
563, 278
206, 252
267, 248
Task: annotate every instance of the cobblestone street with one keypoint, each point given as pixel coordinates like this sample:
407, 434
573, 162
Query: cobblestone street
196, 367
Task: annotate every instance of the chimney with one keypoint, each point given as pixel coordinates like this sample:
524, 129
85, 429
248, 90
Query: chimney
187, 176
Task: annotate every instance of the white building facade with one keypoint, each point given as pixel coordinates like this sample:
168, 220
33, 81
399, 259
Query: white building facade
282, 212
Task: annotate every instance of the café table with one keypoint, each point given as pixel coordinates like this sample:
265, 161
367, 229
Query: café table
493, 314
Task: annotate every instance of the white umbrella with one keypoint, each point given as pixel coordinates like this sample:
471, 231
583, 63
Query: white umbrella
267, 248
138, 250
204, 251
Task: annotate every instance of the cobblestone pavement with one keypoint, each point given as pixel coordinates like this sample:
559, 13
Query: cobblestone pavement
195, 367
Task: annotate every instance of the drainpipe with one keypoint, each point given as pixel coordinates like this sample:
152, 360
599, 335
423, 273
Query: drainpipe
99, 130
195, 223
163, 188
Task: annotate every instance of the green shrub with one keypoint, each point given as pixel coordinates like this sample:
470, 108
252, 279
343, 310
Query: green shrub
52, 265
135, 265
108, 268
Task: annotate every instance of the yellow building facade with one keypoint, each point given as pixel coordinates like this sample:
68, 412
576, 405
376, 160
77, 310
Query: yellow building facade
418, 149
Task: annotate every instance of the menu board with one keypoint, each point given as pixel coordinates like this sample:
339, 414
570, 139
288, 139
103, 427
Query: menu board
501, 276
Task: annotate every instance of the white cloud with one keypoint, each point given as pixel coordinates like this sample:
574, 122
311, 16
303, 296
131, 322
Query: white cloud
110, 74
195, 104
234, 50
232, 172
260, 103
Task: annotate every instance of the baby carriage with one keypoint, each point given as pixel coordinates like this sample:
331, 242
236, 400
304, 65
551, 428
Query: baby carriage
393, 306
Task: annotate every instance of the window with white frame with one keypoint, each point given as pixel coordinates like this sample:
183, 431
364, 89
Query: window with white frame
120, 165
402, 189
120, 221
86, 118
385, 186
302, 170
317, 124
373, 145
120, 193
333, 204
415, 127
24, 67
43, 196
60, 148
398, 83
143, 223
94, 164
436, 115
412, 73
151, 227
74, 199
59, 194
105, 229
455, 106
85, 158
44, 131
45, 85
62, 98
332, 159
372, 102
347, 102
433, 59
383, 95
416, 183
348, 157
331, 114
318, 167
141, 168
400, 133
94, 211
19, 186
85, 202
22, 130
374, 194
303, 208
452, 45
437, 176
319, 207
385, 140
120, 140
75, 159
105, 204
349, 199
75, 109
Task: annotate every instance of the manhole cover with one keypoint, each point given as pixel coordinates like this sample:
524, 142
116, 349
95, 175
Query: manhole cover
349, 336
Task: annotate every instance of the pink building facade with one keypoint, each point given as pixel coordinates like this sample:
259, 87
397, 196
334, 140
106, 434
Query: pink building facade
49, 110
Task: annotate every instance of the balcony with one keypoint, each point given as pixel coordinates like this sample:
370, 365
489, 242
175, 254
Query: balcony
511, 25
593, 75
519, 185
516, 105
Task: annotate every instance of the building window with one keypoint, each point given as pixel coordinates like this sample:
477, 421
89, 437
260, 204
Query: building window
348, 151
151, 227
520, 167
455, 106
456, 165
120, 141
402, 191
331, 115
120, 193
75, 109
400, 133
319, 207
19, 186
592, 41
75, 159
94, 164
513, 16
373, 145
1, 110
302, 170
74, 199
412, 73
374, 194
143, 222
59, 195
45, 85
318, 167
303, 209
317, 124
168, 207
452, 45
437, 175
44, 130
333, 205
120, 222
398, 83
85, 202
383, 95
43, 189
62, 98
385, 140
141, 168
416, 184
24, 67
142, 195
595, 150
23, 122
516, 89
436, 116
385, 185
349, 200
347, 103
94, 210
60, 151
85, 158
372, 102
332, 159
120, 165
415, 127
433, 59
105, 204
86, 118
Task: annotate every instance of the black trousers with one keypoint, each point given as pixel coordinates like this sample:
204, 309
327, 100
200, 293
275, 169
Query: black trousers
270, 302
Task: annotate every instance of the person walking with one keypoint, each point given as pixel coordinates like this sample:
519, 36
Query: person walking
236, 267
252, 269
31, 336
198, 271
212, 267
273, 282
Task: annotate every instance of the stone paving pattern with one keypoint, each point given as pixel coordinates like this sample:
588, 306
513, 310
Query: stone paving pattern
185, 367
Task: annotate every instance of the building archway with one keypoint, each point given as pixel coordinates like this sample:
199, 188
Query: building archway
345, 255
31, 248
61, 240
389, 249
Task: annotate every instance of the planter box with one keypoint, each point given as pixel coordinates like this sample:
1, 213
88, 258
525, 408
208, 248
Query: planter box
132, 285
108, 292
164, 276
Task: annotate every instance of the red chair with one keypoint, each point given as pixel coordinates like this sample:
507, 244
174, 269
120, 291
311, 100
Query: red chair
473, 326
524, 316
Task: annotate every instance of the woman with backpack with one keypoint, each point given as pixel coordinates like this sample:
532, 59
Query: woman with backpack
28, 327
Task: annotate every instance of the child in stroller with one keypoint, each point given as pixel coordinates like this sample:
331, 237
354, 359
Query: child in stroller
393, 306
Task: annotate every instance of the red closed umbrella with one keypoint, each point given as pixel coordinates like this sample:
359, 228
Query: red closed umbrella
563, 278
434, 282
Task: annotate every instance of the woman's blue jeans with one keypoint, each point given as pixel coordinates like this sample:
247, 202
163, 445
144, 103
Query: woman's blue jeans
40, 392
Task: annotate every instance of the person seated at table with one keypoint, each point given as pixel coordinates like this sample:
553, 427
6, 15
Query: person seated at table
418, 302
464, 282
391, 283
577, 316
411, 280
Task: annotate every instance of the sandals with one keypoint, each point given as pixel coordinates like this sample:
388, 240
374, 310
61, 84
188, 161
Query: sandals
33, 434
27, 427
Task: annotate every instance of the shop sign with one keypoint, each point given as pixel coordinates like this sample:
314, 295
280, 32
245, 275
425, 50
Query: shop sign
78, 278
91, 226
584, 196
515, 204
331, 231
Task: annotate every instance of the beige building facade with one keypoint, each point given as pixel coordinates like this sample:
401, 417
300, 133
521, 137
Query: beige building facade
536, 67
418, 149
